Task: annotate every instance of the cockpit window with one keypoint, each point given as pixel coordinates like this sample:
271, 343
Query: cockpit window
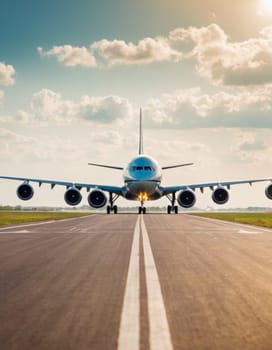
139, 168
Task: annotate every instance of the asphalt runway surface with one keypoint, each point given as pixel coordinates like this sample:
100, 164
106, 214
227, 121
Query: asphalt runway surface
135, 282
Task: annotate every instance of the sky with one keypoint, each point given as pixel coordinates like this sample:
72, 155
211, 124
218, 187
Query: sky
74, 74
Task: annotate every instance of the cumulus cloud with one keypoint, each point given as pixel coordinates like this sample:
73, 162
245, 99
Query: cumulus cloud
71, 56
184, 109
114, 52
190, 108
104, 109
217, 57
7, 73
49, 106
225, 62
145, 51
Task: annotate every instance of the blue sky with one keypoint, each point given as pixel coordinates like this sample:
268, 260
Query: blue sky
73, 75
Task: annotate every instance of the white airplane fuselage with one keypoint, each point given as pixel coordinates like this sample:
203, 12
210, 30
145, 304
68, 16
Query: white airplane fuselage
142, 178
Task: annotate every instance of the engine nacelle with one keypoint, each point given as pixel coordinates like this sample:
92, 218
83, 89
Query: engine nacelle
25, 192
130, 196
220, 195
186, 199
268, 191
97, 199
72, 196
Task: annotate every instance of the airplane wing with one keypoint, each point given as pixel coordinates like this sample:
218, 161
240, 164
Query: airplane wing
53, 183
172, 189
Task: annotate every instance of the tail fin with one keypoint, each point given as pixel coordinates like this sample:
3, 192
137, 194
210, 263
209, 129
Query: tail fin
141, 146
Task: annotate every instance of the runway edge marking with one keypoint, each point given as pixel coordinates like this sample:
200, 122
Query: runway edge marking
129, 332
159, 337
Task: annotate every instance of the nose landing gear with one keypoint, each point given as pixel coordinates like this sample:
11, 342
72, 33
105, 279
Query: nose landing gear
142, 210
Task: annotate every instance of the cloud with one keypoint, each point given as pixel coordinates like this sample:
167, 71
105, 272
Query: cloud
50, 106
217, 58
7, 72
182, 109
114, 52
190, 108
71, 56
145, 51
104, 109
47, 105
247, 62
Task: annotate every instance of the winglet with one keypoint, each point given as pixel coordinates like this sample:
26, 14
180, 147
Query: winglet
141, 146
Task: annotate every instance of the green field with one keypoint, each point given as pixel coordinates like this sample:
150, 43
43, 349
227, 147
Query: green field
14, 217
258, 219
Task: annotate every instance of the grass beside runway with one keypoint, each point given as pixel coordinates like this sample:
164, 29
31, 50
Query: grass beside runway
258, 219
15, 217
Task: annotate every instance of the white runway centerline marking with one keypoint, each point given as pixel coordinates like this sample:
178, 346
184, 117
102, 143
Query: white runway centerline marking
159, 336
129, 332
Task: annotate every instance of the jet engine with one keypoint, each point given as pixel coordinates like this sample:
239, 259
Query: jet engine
220, 195
97, 199
268, 191
25, 192
72, 196
186, 199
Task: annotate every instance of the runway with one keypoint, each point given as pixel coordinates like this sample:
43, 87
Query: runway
135, 282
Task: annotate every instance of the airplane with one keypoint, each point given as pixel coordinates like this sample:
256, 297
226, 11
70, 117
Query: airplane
142, 182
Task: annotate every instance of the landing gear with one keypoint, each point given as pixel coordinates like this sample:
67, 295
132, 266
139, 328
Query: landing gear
172, 208
142, 210
111, 207
115, 209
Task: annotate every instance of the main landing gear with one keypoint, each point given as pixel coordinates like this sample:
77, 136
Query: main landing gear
111, 207
114, 209
172, 208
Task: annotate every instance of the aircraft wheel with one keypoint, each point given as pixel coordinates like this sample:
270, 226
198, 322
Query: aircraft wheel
169, 209
108, 209
144, 210
140, 210
176, 209
115, 209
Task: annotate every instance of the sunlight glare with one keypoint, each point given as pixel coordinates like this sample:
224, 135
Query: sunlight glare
266, 7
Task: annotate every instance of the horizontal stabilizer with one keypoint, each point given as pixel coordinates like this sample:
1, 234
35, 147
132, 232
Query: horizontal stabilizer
106, 166
176, 166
